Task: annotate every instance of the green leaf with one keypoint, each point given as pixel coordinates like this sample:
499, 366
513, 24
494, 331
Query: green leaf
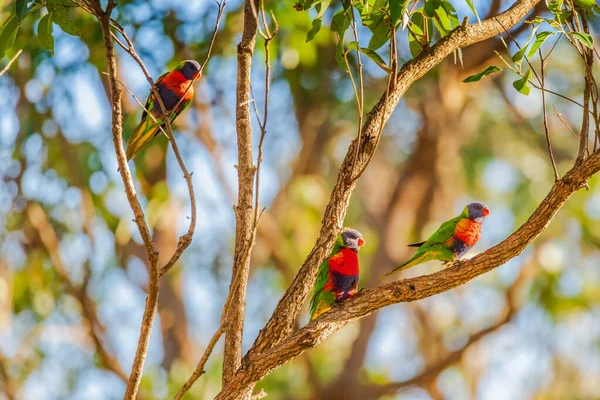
381, 35
316, 27
539, 40
416, 29
562, 18
518, 56
588, 6
375, 57
9, 34
554, 6
340, 23
353, 45
430, 7
487, 71
45, 32
521, 84
339, 55
397, 8
442, 22
21, 6
62, 19
472, 7
584, 39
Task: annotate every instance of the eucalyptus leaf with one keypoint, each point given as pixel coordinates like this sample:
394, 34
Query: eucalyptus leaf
554, 6
45, 32
539, 40
316, 27
472, 7
521, 84
375, 57
479, 76
9, 34
21, 8
62, 19
584, 39
380, 36
397, 9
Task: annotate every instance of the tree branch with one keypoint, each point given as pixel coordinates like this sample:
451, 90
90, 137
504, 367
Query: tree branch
10, 62
257, 365
234, 316
137, 367
281, 322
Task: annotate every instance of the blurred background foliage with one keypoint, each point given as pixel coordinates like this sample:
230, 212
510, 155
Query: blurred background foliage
73, 269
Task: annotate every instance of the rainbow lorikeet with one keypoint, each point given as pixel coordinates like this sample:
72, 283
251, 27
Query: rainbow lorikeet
452, 239
338, 274
176, 90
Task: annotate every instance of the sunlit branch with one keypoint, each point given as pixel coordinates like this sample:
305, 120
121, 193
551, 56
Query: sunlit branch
10, 62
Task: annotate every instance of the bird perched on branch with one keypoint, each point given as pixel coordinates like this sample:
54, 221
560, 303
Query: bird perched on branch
452, 239
337, 278
176, 90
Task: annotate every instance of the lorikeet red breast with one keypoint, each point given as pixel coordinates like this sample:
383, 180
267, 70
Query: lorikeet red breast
177, 91
452, 239
338, 274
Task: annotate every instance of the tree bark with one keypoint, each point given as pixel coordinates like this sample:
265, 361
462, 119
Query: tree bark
244, 210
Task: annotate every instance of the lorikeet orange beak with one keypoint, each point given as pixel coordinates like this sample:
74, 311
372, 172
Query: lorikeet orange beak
361, 241
486, 212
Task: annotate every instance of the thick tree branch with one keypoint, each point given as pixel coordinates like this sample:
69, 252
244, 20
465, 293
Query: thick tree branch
281, 322
257, 365
243, 210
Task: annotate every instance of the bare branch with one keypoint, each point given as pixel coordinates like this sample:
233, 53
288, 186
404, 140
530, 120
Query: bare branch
234, 311
117, 130
588, 59
545, 113
12, 60
199, 371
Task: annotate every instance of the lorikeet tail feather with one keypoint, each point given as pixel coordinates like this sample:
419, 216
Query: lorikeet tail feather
141, 136
416, 244
418, 258
320, 309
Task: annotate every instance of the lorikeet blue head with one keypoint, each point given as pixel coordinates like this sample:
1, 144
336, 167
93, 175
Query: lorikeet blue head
352, 239
477, 211
189, 68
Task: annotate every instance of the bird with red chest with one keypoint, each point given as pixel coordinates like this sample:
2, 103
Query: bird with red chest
337, 278
176, 91
452, 239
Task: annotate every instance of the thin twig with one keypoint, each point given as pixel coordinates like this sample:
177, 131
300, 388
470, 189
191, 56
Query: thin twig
588, 59
564, 122
546, 129
390, 82
360, 96
199, 371
12, 60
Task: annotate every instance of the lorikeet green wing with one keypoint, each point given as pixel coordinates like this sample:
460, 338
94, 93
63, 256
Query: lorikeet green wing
319, 296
